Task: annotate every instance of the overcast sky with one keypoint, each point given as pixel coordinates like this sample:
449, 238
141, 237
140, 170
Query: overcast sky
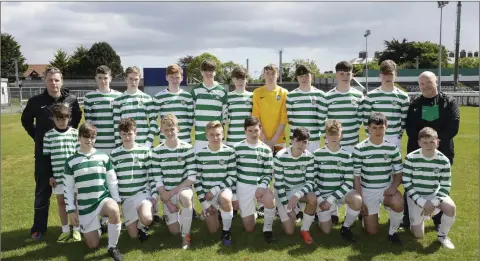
157, 34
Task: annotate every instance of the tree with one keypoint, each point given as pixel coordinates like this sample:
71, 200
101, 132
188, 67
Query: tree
359, 69
9, 53
102, 53
79, 64
184, 61
310, 63
405, 53
61, 60
193, 68
468, 62
227, 69
288, 70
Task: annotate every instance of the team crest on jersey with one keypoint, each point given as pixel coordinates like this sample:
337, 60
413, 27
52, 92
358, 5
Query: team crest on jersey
217, 97
259, 157
278, 97
354, 102
385, 156
182, 102
339, 163
436, 170
140, 101
222, 162
247, 103
179, 158
394, 103
303, 167
314, 102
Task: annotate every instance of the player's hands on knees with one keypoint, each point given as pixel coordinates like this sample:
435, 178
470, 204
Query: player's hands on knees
73, 217
52, 182
428, 208
364, 210
235, 205
390, 191
209, 196
153, 200
259, 193
172, 207
292, 203
325, 205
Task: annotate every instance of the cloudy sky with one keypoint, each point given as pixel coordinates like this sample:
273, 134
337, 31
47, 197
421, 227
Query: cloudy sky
157, 34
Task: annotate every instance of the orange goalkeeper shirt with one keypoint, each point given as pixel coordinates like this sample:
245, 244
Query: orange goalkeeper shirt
270, 108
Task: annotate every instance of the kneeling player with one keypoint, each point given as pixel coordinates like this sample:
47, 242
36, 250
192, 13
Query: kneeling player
91, 172
427, 181
174, 171
216, 178
294, 182
254, 174
334, 178
378, 173
130, 162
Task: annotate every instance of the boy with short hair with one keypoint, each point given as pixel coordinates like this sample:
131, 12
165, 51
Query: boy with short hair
269, 106
377, 174
216, 179
60, 143
427, 180
135, 104
239, 106
131, 164
294, 183
210, 102
343, 103
334, 182
390, 101
306, 107
98, 110
174, 100
91, 172
173, 168
254, 174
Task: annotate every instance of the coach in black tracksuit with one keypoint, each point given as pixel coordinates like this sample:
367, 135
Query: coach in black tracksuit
38, 108
435, 110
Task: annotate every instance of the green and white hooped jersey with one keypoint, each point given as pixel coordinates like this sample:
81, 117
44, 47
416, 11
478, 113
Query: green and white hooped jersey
60, 146
239, 107
98, 110
254, 163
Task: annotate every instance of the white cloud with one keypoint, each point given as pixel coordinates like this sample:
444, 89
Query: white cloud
156, 33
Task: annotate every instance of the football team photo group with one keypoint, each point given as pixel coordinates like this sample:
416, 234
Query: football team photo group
131, 160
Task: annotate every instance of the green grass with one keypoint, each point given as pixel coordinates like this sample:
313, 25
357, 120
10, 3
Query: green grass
17, 216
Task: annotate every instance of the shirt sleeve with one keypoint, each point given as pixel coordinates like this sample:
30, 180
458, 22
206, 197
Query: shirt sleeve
69, 188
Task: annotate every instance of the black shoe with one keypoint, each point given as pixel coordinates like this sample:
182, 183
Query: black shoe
268, 236
299, 217
360, 217
195, 214
315, 219
347, 234
143, 234
260, 213
395, 239
115, 254
124, 227
104, 227
437, 220
234, 214
226, 238
334, 220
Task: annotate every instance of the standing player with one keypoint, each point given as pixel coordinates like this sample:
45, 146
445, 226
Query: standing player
254, 174
131, 164
174, 100
210, 103
91, 173
427, 180
216, 179
98, 109
334, 182
390, 101
174, 171
343, 104
306, 107
294, 182
269, 106
60, 143
135, 104
378, 173
239, 107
